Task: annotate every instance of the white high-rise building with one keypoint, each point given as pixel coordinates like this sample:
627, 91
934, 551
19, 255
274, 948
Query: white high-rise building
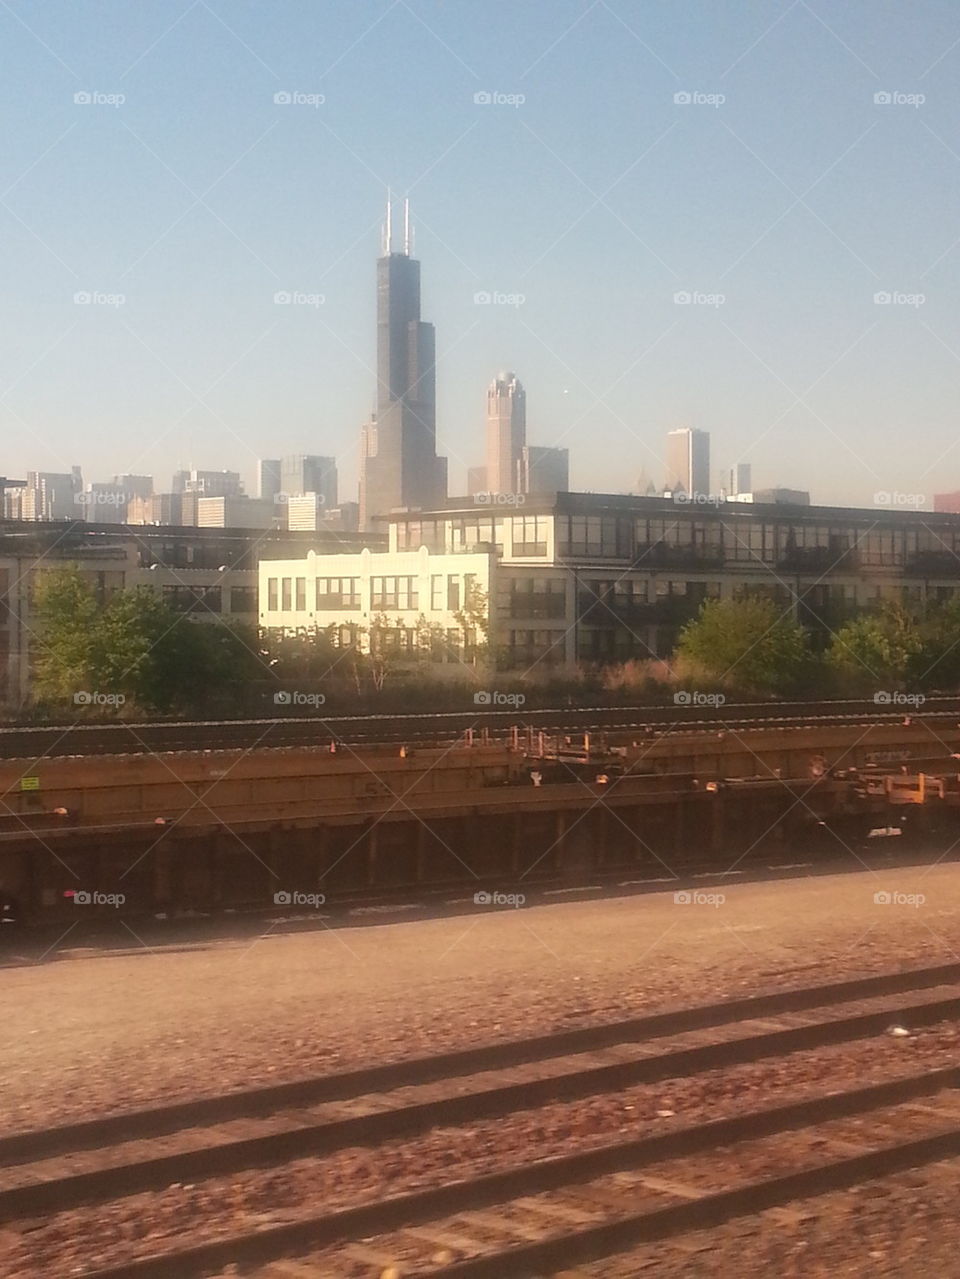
688, 462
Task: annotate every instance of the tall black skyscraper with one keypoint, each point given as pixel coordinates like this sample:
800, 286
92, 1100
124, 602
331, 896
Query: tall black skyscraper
399, 466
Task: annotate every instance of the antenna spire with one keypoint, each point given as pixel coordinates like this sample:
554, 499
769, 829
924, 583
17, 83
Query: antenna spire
406, 227
388, 228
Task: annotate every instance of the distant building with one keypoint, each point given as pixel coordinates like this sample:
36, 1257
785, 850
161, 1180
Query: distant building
236, 512
506, 433
306, 473
544, 470
476, 480
688, 462
103, 503
209, 573
268, 478
208, 483
309, 512
949, 502
46, 495
738, 479
782, 497
399, 463
158, 508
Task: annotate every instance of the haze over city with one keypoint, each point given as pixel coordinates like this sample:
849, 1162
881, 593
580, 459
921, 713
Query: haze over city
744, 156
479, 639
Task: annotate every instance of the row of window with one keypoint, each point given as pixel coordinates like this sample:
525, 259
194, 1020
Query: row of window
736, 538
449, 591
209, 599
529, 533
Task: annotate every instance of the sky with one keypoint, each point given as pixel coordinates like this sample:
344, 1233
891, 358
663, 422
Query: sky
738, 216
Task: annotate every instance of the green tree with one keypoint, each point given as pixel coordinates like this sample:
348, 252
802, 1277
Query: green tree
134, 645
747, 644
65, 613
881, 649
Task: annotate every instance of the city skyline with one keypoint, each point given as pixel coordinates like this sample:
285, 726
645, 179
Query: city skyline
738, 265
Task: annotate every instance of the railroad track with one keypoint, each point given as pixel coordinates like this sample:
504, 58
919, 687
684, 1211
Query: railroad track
443, 728
527, 1218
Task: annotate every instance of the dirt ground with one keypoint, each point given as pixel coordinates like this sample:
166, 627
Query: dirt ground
98, 1034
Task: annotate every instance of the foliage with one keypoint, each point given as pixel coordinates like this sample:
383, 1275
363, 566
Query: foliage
895, 648
749, 644
135, 646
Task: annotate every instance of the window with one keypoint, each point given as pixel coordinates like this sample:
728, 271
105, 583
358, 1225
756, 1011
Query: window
286, 594
273, 596
301, 594
337, 592
453, 592
393, 592
589, 535
243, 599
190, 599
530, 535
436, 592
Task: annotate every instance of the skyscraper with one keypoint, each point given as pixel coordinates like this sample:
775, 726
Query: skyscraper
506, 433
399, 463
268, 477
688, 462
544, 470
739, 480
306, 473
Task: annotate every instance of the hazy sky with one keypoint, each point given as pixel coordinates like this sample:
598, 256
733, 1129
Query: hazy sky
782, 188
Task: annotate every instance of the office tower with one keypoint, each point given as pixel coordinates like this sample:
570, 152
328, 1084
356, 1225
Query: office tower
208, 483
688, 462
236, 511
739, 480
268, 478
103, 503
400, 466
506, 432
158, 508
544, 470
135, 485
305, 473
51, 495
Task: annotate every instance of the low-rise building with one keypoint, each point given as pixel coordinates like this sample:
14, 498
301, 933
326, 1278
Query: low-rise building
599, 578
210, 573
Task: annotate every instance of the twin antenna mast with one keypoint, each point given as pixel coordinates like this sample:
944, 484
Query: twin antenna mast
388, 230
